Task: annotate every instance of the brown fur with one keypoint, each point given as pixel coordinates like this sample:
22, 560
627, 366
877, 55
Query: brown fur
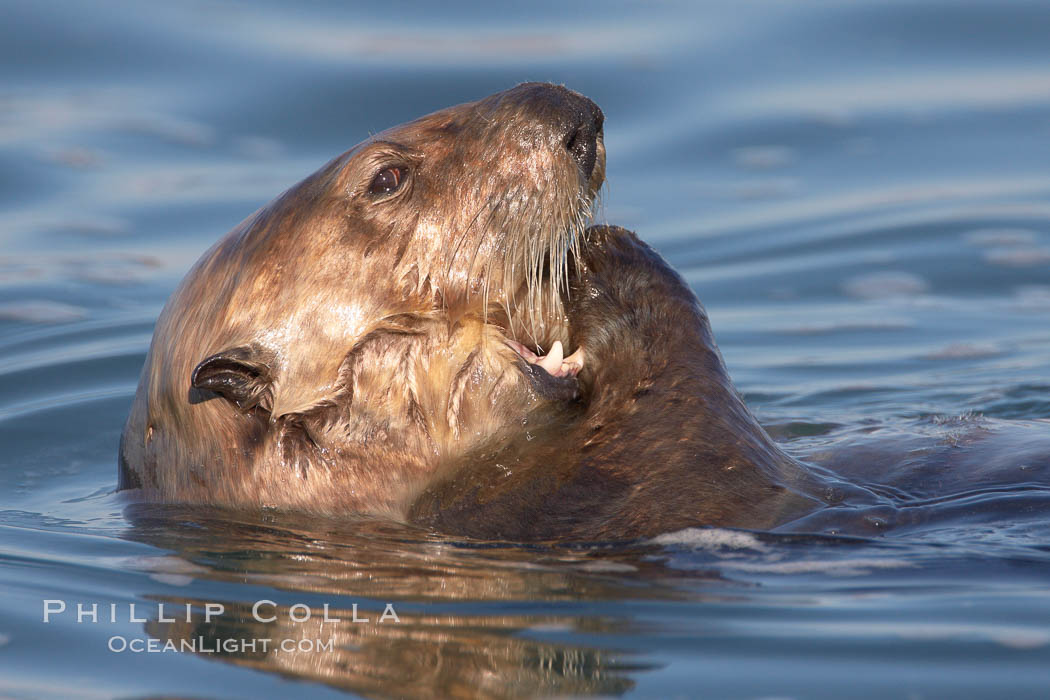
344, 353
663, 442
366, 335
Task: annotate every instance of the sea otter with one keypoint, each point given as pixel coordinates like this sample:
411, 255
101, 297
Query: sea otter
391, 337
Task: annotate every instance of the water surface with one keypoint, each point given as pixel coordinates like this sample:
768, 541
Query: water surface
859, 193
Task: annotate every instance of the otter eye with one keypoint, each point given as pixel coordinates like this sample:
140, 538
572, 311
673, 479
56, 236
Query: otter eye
387, 180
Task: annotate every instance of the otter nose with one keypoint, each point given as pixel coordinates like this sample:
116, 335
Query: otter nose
582, 139
567, 118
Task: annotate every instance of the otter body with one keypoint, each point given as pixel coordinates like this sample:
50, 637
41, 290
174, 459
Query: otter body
662, 442
389, 337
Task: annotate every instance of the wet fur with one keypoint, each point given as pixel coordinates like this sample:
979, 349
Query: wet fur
369, 332
662, 442
339, 353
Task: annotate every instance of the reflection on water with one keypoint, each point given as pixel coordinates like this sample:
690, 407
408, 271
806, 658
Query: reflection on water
371, 558
858, 191
458, 644
420, 656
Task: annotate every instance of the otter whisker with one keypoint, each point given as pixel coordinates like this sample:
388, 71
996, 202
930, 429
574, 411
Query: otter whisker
453, 254
499, 244
483, 239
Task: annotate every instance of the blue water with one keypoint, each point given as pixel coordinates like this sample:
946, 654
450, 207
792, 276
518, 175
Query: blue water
858, 191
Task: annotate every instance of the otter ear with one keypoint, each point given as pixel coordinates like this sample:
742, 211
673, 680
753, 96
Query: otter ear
239, 375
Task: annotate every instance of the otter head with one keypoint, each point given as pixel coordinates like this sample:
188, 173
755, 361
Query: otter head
348, 341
